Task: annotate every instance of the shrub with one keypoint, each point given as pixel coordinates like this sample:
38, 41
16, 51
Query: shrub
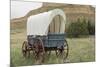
91, 28
79, 28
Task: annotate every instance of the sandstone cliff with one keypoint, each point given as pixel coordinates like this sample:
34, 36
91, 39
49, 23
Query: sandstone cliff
73, 12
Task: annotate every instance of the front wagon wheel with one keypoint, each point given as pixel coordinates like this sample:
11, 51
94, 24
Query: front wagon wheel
67, 49
65, 52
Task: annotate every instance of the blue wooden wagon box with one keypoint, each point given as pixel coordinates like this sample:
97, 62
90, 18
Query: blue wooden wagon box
51, 40
54, 40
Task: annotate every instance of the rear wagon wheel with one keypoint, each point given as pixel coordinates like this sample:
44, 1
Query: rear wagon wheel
24, 48
39, 50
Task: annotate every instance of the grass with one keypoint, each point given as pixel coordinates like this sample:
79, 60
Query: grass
80, 50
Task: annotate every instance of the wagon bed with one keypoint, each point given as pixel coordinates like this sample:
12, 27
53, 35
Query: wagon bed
51, 40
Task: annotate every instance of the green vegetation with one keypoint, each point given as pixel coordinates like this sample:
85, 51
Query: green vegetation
80, 50
91, 28
81, 28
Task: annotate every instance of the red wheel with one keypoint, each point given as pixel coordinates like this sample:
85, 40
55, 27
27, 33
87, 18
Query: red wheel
25, 48
63, 52
39, 51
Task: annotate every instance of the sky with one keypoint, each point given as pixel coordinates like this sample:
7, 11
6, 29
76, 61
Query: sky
21, 8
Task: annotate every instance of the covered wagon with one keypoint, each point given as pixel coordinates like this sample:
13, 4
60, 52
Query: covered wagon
46, 33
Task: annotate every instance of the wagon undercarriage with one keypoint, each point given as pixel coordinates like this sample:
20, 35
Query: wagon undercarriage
43, 46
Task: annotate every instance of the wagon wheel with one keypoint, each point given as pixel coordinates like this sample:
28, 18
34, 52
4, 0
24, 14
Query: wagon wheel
39, 51
66, 51
63, 51
25, 48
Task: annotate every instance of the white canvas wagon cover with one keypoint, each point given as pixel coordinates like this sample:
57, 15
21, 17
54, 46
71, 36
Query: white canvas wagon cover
39, 24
